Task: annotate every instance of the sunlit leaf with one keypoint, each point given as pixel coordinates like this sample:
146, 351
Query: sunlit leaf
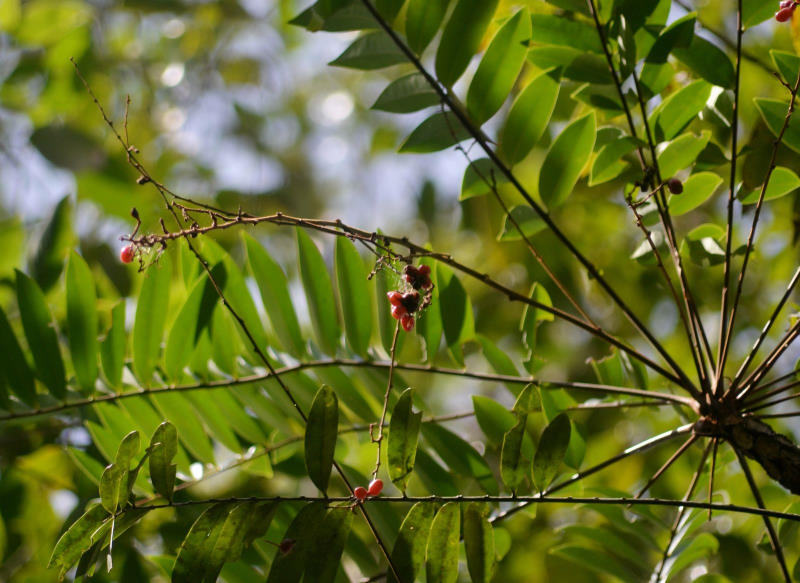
319, 293
151, 313
423, 19
351, 277
407, 94
373, 50
565, 160
461, 38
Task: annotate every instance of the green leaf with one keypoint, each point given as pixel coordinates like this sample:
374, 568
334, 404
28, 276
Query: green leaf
115, 485
679, 109
274, 289
328, 545
409, 549
696, 190
787, 64
319, 293
479, 544
528, 221
755, 12
551, 450
351, 277
528, 401
533, 316
529, 117
37, 321
514, 464
609, 163
773, 111
501, 362
499, 68
460, 456
151, 313
82, 321
13, 364
407, 94
455, 308
462, 37
219, 535
53, 246
320, 439
163, 447
78, 539
438, 132
175, 408
565, 160
493, 419
429, 323
373, 50
240, 299
423, 19
595, 560
193, 318
479, 178
289, 567
551, 29
681, 152
703, 545
782, 182
112, 348
401, 450
708, 61
441, 560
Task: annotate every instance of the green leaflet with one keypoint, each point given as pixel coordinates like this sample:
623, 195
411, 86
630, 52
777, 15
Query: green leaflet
479, 544
773, 112
407, 94
525, 219
289, 568
319, 293
82, 321
219, 535
117, 480
163, 447
423, 19
493, 419
696, 190
401, 449
354, 295
151, 312
459, 456
320, 440
79, 538
462, 37
551, 451
782, 182
679, 109
112, 347
441, 560
499, 68
681, 152
408, 553
54, 245
274, 291
328, 544
455, 309
37, 321
480, 176
373, 50
565, 160
14, 367
438, 132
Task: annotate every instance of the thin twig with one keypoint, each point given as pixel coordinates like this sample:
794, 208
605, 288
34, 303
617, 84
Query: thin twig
379, 440
672, 459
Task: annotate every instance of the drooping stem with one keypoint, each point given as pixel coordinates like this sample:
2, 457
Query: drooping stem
379, 439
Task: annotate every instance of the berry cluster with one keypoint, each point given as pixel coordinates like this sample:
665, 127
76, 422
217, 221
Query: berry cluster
786, 10
404, 305
361, 493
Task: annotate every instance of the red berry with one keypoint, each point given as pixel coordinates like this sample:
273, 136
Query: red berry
126, 255
407, 321
787, 3
360, 493
398, 312
417, 276
784, 14
395, 298
424, 269
375, 487
675, 186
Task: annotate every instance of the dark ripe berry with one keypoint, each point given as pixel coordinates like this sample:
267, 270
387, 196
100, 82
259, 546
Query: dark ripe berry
126, 255
375, 487
399, 311
286, 546
410, 301
395, 298
784, 14
418, 277
407, 321
675, 186
360, 493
